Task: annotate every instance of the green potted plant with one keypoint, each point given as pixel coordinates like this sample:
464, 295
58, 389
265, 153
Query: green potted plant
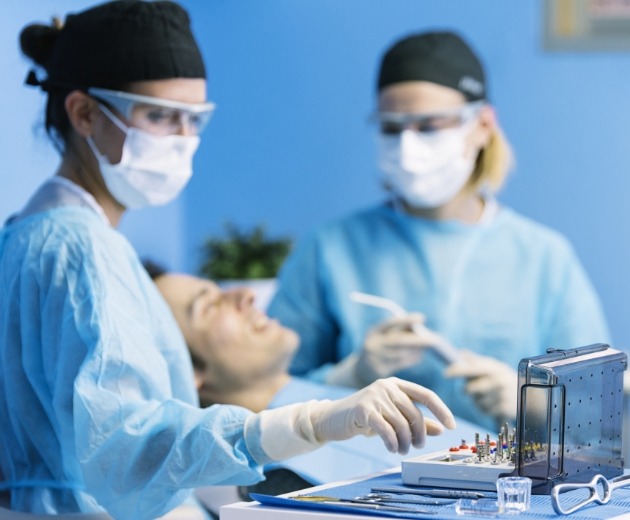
247, 257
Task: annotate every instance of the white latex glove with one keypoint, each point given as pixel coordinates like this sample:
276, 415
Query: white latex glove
385, 408
390, 346
492, 383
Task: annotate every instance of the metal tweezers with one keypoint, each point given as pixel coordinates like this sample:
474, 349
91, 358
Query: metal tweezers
347, 502
607, 487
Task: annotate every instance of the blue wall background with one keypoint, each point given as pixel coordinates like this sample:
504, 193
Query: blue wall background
290, 146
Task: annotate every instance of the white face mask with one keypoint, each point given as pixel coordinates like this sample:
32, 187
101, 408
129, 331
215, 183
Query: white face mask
427, 170
152, 170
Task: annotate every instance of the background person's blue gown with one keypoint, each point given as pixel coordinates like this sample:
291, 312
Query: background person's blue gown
97, 403
506, 287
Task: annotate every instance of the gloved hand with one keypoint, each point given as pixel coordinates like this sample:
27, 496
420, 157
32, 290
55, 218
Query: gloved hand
492, 383
385, 408
390, 346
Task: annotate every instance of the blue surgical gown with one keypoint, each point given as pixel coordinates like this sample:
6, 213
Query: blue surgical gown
505, 287
97, 404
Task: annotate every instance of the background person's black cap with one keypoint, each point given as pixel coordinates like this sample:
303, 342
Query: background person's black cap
438, 57
123, 41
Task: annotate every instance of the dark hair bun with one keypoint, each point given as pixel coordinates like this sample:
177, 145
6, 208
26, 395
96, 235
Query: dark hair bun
37, 41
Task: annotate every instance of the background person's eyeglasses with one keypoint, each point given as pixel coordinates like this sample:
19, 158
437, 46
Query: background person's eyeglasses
392, 123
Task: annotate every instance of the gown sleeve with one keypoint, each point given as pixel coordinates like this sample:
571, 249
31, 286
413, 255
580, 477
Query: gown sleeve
132, 425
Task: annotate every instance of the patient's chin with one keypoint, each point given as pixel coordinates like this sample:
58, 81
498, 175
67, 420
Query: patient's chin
286, 341
293, 340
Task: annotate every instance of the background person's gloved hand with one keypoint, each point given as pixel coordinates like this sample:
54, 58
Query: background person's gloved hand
385, 408
493, 384
390, 346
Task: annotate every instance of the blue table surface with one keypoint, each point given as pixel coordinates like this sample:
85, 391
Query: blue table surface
540, 504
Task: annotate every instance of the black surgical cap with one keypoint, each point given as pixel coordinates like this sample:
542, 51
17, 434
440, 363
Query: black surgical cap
438, 57
123, 41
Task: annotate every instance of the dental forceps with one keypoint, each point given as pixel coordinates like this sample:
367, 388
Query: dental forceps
443, 348
360, 503
607, 487
390, 499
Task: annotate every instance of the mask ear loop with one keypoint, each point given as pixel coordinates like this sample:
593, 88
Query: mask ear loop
113, 118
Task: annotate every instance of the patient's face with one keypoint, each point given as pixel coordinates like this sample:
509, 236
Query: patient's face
232, 342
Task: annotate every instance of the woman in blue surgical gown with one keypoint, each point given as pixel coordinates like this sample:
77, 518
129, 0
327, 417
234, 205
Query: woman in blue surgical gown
98, 411
471, 273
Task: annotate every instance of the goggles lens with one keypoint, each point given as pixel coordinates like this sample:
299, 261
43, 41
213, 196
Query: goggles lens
392, 123
156, 115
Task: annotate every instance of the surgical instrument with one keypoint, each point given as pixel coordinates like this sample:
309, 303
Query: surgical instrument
384, 497
436, 493
598, 484
378, 301
350, 502
442, 347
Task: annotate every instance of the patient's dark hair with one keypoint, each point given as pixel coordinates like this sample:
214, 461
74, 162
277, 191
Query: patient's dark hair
154, 269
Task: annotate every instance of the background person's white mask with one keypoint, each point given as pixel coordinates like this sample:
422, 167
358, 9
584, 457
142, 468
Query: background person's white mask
152, 170
427, 170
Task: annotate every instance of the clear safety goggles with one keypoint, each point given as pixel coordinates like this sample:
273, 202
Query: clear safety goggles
157, 116
392, 123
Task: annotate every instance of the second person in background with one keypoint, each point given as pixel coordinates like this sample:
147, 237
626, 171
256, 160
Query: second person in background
470, 272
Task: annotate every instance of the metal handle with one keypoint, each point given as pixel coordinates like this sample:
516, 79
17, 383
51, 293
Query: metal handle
619, 482
594, 495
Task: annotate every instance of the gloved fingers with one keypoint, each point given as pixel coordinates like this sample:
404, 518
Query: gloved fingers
430, 337
407, 423
488, 403
392, 415
420, 428
495, 396
408, 341
401, 356
484, 384
386, 431
465, 369
381, 358
411, 418
405, 322
475, 365
432, 428
396, 343
428, 398
402, 429
468, 372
